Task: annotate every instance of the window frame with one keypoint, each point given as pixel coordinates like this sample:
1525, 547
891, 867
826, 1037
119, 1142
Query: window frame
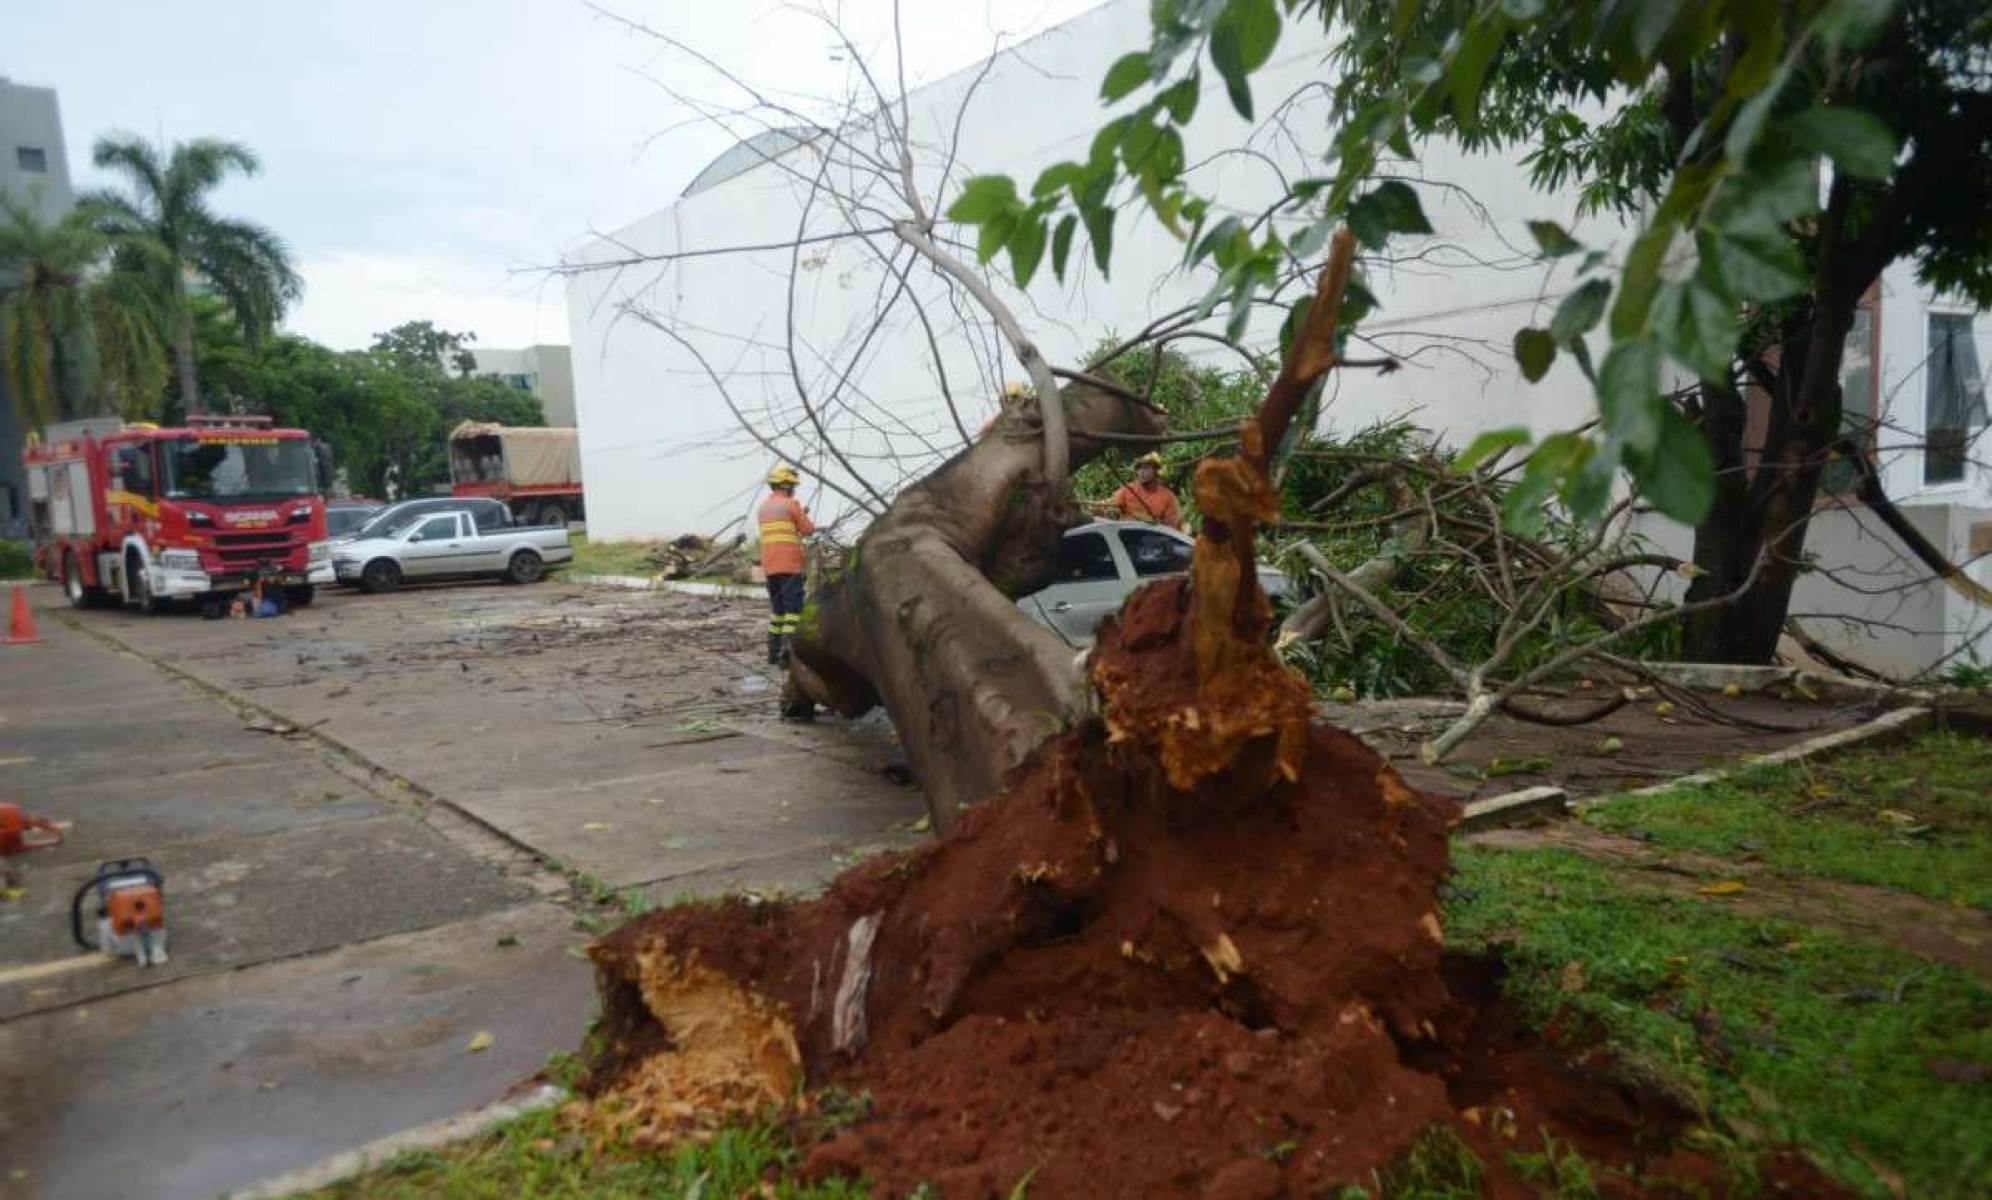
1962, 478
1179, 558
1106, 555
37, 167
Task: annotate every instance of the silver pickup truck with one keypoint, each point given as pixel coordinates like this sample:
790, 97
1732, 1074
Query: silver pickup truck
448, 545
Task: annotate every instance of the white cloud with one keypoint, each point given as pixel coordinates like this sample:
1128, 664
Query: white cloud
352, 295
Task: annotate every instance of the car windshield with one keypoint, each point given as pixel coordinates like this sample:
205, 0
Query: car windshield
235, 467
387, 522
346, 520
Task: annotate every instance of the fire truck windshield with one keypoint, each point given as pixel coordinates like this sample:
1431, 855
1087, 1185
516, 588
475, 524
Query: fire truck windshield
238, 468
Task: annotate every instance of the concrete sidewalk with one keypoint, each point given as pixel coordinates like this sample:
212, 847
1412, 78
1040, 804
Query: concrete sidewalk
334, 945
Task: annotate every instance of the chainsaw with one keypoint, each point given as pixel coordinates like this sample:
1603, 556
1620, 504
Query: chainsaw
130, 902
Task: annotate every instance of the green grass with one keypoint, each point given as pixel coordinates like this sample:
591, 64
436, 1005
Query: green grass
612, 558
534, 1156
1916, 817
1775, 1032
16, 562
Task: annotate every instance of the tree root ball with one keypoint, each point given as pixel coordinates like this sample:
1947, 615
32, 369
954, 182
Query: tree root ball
1116, 987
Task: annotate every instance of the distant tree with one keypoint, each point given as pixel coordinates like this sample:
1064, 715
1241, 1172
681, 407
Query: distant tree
75, 338
418, 346
165, 231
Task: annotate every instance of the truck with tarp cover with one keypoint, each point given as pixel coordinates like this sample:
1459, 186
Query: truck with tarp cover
535, 471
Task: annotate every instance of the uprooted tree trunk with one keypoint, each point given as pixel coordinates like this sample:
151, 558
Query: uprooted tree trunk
924, 621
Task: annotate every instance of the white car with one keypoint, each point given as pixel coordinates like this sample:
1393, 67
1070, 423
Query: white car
1101, 563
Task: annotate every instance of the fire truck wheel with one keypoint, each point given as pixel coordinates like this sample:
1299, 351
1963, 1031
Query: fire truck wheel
138, 589
81, 594
381, 575
525, 567
300, 596
551, 513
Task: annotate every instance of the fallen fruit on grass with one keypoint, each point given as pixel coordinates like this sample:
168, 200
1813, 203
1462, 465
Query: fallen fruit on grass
1664, 708
1726, 887
1610, 745
1344, 694
480, 1041
1732, 690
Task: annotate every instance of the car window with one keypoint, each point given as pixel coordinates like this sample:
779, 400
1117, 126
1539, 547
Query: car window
489, 517
1154, 553
439, 527
346, 520
1084, 557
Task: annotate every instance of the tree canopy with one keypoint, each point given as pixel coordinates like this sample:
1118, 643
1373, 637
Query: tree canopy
1706, 126
165, 227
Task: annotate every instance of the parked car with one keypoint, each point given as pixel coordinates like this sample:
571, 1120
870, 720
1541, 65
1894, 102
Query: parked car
1102, 562
450, 545
393, 518
346, 516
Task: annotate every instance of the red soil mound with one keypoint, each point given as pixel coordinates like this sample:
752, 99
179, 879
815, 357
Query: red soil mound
1116, 986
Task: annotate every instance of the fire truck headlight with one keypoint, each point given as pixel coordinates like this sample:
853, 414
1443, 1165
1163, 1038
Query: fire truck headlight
180, 560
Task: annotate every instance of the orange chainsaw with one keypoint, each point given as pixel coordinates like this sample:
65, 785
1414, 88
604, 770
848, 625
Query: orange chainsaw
130, 911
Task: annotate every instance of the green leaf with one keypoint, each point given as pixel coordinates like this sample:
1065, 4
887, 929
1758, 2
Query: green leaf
1357, 302
994, 236
1308, 242
1579, 312
1026, 249
1697, 325
1180, 99
1535, 350
1490, 444
1057, 177
984, 197
1629, 393
1061, 243
1641, 279
1468, 68
1749, 122
1855, 139
1853, 21
1392, 208
1651, 19
1240, 43
1554, 239
1769, 196
1677, 476
1129, 72
1756, 266
1099, 221
1557, 456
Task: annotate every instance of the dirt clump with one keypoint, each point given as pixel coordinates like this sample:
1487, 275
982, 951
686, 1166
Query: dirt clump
1143, 970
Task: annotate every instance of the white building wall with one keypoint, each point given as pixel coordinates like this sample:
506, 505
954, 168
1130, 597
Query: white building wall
664, 454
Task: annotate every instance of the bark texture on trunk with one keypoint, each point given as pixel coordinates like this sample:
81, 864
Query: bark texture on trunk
924, 621
183, 357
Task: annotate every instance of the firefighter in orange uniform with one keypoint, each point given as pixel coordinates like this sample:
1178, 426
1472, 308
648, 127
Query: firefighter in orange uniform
784, 523
1148, 498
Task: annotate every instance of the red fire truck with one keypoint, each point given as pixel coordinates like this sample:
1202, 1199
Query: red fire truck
150, 515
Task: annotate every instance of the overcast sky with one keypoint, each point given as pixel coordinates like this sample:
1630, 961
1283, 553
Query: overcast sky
418, 155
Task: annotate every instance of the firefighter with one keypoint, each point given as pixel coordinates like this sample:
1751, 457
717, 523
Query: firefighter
784, 523
1148, 498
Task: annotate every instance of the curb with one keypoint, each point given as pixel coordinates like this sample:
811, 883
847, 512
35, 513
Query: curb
436, 1134
683, 587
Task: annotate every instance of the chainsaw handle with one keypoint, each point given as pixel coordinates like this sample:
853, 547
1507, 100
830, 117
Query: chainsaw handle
123, 866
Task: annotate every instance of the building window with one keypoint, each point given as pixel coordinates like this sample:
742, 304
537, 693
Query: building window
523, 382
1954, 403
32, 158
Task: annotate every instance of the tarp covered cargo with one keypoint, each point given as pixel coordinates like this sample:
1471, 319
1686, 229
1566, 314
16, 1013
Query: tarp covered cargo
532, 457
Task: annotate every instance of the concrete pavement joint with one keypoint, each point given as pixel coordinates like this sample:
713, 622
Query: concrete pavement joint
463, 828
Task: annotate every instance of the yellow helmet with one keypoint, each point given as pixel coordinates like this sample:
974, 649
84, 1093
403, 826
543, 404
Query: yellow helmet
1150, 459
783, 476
1016, 390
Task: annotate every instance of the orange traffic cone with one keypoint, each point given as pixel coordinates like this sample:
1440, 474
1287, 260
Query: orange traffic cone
21, 631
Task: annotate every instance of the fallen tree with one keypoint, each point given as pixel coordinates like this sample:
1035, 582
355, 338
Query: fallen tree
1191, 950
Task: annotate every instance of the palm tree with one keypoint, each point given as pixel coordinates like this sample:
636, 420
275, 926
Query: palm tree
165, 231
69, 321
